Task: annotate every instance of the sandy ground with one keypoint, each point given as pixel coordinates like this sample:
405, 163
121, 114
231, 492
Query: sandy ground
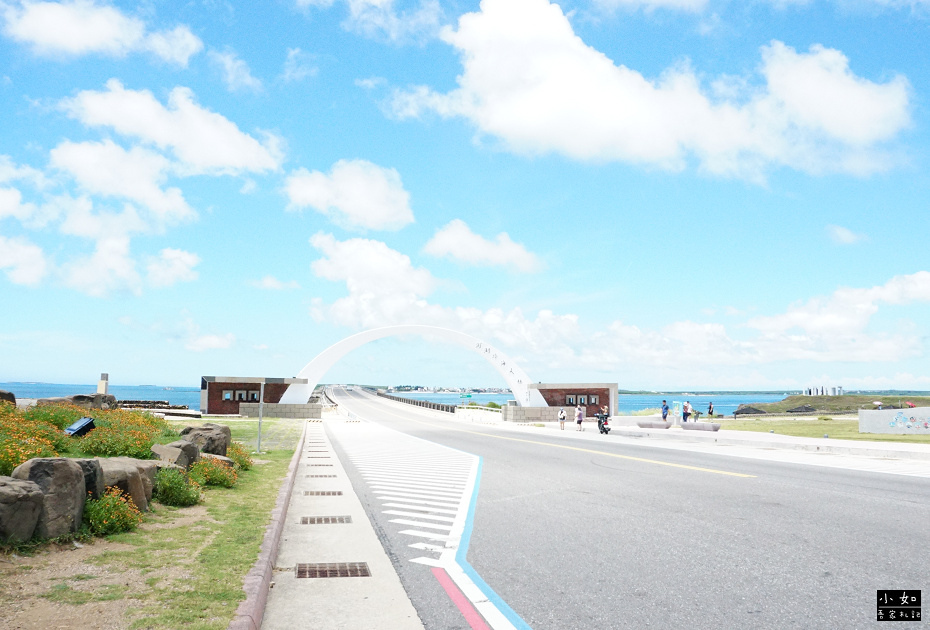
24, 580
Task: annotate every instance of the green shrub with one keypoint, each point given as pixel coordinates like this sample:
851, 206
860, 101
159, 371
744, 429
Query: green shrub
172, 487
492, 405
115, 441
58, 416
112, 513
212, 472
238, 453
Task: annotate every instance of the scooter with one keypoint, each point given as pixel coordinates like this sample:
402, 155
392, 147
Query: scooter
602, 423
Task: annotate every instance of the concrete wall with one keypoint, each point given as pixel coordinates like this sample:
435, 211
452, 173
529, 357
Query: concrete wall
278, 410
477, 414
535, 414
914, 421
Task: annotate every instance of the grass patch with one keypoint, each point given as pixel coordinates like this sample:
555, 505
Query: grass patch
838, 428
194, 570
64, 594
847, 403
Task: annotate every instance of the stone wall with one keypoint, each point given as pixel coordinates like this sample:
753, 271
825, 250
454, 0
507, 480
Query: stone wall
915, 421
512, 413
280, 410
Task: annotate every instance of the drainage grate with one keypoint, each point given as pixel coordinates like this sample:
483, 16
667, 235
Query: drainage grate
312, 476
322, 493
309, 451
333, 569
318, 457
324, 520
330, 465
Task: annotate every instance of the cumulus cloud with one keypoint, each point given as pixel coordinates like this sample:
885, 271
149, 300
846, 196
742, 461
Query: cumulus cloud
172, 266
109, 268
684, 5
83, 27
457, 241
355, 193
271, 283
384, 288
201, 343
22, 261
236, 73
381, 18
105, 168
203, 141
844, 236
530, 81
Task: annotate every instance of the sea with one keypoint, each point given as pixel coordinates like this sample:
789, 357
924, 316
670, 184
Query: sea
725, 403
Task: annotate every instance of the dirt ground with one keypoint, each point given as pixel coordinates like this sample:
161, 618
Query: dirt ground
45, 590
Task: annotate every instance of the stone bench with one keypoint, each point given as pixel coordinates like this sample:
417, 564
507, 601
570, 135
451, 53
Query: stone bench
701, 426
653, 424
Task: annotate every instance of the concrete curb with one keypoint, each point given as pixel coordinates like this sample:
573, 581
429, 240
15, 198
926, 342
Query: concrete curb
250, 612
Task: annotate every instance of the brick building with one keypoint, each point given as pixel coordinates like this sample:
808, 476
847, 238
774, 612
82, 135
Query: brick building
591, 396
223, 394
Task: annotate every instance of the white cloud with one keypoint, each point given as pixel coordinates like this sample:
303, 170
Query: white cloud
298, 65
105, 168
273, 284
109, 268
381, 18
201, 343
530, 81
11, 205
685, 5
172, 266
844, 236
457, 241
84, 27
236, 73
203, 141
355, 193
22, 262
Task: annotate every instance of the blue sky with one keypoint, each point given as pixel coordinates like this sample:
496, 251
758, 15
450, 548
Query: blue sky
669, 194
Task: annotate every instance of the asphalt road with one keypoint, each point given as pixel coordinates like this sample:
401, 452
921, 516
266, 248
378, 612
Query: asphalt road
601, 533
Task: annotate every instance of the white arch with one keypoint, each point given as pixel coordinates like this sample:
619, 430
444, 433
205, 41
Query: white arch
516, 378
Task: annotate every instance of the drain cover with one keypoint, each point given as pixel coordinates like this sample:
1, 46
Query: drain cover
316, 476
333, 569
322, 493
324, 520
330, 465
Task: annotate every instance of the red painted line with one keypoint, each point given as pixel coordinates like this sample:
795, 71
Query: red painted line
472, 616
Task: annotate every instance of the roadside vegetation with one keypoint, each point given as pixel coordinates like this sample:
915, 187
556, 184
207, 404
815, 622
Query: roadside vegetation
172, 567
841, 428
847, 403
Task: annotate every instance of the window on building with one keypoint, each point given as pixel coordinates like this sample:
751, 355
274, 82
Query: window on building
227, 394
253, 396
592, 400
240, 394
582, 400
569, 400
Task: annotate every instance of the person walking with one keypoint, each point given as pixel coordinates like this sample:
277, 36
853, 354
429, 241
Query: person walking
664, 411
562, 418
579, 416
710, 410
686, 411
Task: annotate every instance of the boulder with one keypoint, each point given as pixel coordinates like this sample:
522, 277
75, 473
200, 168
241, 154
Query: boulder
210, 437
220, 458
7, 396
93, 477
125, 476
87, 401
62, 483
190, 452
148, 468
20, 507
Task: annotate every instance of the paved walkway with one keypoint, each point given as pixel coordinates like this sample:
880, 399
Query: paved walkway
379, 601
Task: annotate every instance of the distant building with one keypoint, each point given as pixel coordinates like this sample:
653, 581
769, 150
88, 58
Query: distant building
238, 395
591, 396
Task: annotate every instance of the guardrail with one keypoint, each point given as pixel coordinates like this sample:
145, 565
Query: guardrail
419, 403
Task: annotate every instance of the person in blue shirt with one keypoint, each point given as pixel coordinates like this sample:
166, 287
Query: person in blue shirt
664, 411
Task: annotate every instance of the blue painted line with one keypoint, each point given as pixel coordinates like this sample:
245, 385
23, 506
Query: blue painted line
460, 559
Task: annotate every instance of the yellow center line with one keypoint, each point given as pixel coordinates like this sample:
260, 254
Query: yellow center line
584, 450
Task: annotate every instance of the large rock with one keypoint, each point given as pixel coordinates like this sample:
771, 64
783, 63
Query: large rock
220, 458
62, 484
87, 401
125, 476
93, 477
211, 438
190, 452
7, 396
20, 507
147, 468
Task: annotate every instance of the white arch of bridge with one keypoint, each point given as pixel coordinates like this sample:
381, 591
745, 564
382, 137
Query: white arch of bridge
515, 377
